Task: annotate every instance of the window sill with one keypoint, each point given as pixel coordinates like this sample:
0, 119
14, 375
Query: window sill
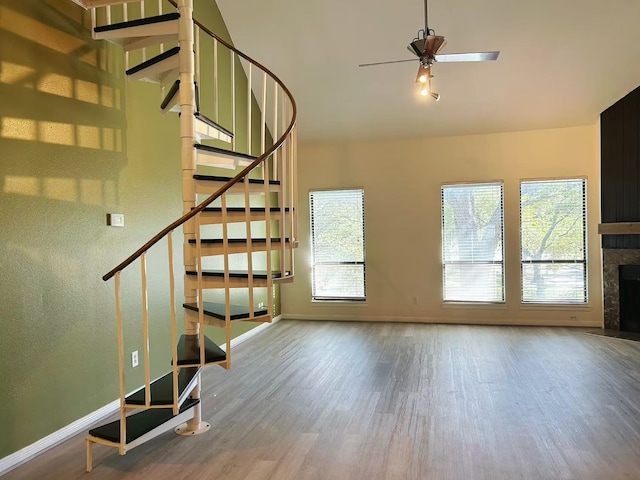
327, 303
475, 305
556, 306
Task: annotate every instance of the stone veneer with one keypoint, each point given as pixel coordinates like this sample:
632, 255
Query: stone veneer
612, 259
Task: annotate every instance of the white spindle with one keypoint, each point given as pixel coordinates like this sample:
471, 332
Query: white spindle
196, 37
145, 330
249, 236
227, 280
200, 290
282, 175
267, 211
216, 90
294, 207
108, 15
174, 324
263, 110
249, 80
120, 328
276, 154
93, 22
142, 15
233, 100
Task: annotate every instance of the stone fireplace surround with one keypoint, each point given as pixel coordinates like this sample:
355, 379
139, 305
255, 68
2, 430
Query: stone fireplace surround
612, 259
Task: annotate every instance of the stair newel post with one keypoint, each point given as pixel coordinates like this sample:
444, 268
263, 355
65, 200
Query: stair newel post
187, 100
120, 327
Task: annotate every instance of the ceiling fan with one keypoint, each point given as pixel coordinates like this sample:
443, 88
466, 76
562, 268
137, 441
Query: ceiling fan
426, 47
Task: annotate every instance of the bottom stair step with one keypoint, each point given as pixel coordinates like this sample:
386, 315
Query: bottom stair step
139, 424
217, 310
162, 388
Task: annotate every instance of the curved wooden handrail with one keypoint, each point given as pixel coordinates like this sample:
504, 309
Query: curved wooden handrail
244, 173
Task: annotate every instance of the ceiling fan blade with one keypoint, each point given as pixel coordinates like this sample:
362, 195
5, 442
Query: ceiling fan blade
385, 63
467, 57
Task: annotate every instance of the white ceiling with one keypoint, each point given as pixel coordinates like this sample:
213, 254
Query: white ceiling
562, 62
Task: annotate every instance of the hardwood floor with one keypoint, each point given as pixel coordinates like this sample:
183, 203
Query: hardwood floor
312, 400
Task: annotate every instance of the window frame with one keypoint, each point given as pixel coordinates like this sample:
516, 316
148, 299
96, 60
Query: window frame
313, 263
584, 261
501, 262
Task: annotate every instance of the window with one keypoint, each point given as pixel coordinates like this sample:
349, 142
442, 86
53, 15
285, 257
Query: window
472, 243
337, 244
552, 241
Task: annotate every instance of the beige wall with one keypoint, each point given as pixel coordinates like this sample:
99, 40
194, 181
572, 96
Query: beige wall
401, 181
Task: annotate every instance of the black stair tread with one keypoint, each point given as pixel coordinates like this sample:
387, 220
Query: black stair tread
170, 94
162, 388
189, 351
167, 17
236, 273
223, 151
139, 423
243, 209
219, 241
152, 61
175, 88
217, 310
216, 178
203, 118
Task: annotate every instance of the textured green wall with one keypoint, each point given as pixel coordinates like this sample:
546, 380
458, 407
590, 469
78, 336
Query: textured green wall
76, 143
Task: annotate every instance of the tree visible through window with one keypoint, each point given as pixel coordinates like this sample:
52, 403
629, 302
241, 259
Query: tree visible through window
472, 243
552, 240
337, 244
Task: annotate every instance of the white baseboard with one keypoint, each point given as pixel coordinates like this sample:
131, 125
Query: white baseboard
540, 322
27, 453
16, 459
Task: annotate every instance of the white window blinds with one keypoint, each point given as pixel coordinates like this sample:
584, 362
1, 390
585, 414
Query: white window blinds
472, 242
337, 242
552, 241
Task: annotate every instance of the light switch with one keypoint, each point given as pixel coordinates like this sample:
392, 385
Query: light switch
115, 219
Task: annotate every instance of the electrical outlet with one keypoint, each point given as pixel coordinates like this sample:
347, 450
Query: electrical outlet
115, 219
134, 359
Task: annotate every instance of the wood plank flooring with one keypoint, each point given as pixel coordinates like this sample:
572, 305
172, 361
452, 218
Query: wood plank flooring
362, 401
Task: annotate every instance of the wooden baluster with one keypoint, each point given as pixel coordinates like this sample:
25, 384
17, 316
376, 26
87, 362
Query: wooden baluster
174, 324
145, 330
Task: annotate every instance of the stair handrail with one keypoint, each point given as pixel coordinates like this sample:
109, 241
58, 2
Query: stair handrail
242, 174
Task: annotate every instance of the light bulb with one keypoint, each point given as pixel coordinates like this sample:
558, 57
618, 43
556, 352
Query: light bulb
424, 92
423, 78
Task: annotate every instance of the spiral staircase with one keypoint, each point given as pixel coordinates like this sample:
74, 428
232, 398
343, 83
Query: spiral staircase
243, 223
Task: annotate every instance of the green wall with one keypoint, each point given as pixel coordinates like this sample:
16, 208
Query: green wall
76, 143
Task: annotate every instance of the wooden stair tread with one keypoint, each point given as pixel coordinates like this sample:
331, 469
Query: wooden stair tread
189, 351
216, 178
139, 424
217, 310
222, 151
167, 17
152, 61
203, 118
162, 388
